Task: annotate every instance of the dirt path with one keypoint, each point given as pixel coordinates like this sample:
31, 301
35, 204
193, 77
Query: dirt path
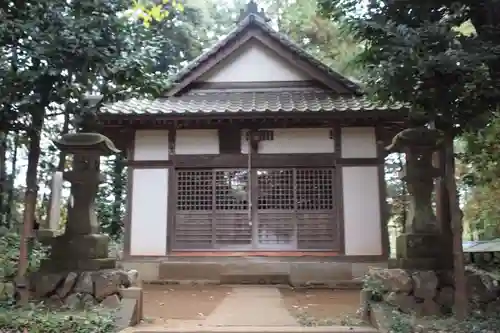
180, 305
178, 302
322, 307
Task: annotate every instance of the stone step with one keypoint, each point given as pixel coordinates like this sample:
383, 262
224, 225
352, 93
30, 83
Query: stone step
300, 272
338, 275
257, 329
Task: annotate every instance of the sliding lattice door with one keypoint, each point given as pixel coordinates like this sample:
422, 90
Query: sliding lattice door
294, 209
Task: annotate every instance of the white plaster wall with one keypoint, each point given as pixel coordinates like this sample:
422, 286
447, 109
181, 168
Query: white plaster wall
191, 142
151, 145
359, 142
294, 140
148, 230
362, 229
254, 62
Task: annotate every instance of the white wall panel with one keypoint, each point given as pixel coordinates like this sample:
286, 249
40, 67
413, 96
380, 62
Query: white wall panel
192, 142
294, 140
148, 230
359, 142
151, 145
362, 218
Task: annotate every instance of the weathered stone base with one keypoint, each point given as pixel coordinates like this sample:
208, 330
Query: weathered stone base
45, 236
417, 246
91, 246
421, 264
56, 265
82, 290
78, 253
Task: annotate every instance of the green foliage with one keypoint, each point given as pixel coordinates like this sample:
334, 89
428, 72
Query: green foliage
374, 286
111, 196
400, 323
319, 36
414, 51
149, 11
483, 153
482, 212
9, 254
481, 174
39, 319
55, 52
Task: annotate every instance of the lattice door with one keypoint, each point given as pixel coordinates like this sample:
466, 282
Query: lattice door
296, 209
212, 210
317, 227
276, 215
231, 217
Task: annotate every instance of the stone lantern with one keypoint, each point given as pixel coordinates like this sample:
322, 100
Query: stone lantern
79, 272
81, 247
417, 247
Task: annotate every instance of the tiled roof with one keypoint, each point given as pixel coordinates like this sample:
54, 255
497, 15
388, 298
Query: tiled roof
233, 102
256, 21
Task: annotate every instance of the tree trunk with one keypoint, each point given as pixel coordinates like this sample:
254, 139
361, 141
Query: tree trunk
404, 197
460, 306
12, 178
118, 184
3, 178
30, 199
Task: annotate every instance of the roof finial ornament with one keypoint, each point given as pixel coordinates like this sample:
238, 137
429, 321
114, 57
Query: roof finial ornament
252, 9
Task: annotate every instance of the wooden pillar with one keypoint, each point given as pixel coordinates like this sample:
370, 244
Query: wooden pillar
253, 195
172, 189
382, 142
129, 140
339, 184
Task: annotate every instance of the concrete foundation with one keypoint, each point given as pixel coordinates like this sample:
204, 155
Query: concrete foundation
298, 272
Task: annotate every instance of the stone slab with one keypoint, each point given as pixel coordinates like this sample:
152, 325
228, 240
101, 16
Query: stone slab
262, 278
251, 306
250, 270
254, 267
254, 329
319, 273
126, 314
148, 270
189, 271
137, 294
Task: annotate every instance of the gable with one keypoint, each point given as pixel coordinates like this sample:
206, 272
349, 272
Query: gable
254, 62
285, 60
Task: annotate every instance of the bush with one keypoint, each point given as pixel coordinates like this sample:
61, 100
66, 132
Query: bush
39, 319
9, 254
